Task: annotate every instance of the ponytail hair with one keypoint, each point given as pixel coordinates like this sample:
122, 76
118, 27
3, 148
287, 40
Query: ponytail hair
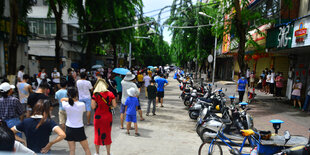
42, 107
72, 93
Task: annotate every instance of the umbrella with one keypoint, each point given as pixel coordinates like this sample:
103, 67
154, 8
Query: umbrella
96, 66
150, 67
121, 71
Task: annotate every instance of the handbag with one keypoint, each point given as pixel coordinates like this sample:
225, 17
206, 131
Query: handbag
109, 105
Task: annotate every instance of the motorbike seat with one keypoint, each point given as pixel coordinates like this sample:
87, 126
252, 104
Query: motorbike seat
247, 132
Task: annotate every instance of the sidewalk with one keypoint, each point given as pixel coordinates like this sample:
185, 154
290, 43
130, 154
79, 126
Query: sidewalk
267, 107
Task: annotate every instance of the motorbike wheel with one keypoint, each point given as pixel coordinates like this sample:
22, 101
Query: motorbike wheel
187, 103
216, 149
191, 115
209, 139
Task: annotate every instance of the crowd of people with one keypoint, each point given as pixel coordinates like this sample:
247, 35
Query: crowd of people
29, 110
271, 82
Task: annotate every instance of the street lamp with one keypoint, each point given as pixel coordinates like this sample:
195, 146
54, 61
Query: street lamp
215, 44
137, 37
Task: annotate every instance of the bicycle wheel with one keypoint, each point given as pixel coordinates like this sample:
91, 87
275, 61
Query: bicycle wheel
215, 150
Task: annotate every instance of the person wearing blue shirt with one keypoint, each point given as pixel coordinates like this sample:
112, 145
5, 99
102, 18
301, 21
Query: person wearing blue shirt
161, 84
62, 93
242, 85
131, 107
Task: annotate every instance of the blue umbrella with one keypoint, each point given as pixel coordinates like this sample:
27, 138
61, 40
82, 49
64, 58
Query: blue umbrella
121, 71
150, 67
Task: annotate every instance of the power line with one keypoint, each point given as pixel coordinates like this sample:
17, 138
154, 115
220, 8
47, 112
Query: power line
187, 27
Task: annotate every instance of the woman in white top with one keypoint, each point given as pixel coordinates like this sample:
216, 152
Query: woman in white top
74, 124
268, 80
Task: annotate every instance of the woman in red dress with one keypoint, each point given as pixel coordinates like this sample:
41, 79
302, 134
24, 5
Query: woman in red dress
103, 101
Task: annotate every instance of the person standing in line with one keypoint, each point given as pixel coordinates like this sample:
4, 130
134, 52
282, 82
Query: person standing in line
38, 129
139, 107
161, 84
103, 102
84, 88
127, 83
70, 79
140, 78
24, 90
118, 81
151, 90
62, 93
56, 79
146, 80
297, 92
74, 125
252, 79
242, 86
272, 81
268, 80
248, 74
131, 107
33, 98
42, 75
20, 73
10, 107
279, 84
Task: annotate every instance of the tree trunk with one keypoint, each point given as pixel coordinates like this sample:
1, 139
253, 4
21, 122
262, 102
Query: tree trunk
115, 55
13, 44
58, 18
242, 36
89, 49
57, 42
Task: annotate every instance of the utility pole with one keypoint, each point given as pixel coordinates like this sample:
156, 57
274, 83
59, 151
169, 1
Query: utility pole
214, 53
198, 39
129, 59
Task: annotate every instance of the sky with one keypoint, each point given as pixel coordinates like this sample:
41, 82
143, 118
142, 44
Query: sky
150, 5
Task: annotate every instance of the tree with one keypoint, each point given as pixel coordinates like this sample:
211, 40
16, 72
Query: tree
18, 13
57, 6
112, 14
185, 41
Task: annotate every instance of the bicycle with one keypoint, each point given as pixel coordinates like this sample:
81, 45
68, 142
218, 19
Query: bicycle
216, 149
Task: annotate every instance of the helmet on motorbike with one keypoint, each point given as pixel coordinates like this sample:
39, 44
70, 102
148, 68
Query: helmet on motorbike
218, 108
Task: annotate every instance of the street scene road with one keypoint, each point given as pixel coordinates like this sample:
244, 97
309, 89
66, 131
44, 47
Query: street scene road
172, 132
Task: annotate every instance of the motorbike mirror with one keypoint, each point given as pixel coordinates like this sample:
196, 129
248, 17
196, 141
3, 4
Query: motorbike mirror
287, 136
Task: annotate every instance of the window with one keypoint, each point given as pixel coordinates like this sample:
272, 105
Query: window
45, 27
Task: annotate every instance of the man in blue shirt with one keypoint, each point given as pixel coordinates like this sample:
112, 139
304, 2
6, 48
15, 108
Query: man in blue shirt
242, 85
161, 84
62, 93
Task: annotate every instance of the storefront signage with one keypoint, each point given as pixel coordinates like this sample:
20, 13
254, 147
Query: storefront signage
283, 36
300, 37
300, 33
280, 37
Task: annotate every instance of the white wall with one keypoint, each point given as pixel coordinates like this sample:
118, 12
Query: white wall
303, 8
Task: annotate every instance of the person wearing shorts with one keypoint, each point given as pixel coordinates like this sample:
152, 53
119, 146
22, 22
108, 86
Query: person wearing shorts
84, 87
131, 107
296, 93
127, 83
161, 84
62, 93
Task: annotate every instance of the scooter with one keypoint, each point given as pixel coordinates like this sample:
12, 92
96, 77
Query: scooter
240, 120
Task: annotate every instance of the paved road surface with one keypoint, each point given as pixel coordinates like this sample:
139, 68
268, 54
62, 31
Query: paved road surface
170, 132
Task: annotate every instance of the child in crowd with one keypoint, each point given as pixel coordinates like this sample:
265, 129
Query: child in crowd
151, 91
131, 107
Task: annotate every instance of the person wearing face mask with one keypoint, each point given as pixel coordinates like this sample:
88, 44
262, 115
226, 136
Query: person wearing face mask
56, 79
242, 85
279, 84
296, 92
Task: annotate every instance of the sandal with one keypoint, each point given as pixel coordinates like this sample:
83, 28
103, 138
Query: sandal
161, 106
128, 133
121, 127
137, 134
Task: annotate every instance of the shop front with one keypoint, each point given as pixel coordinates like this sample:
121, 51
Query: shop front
300, 55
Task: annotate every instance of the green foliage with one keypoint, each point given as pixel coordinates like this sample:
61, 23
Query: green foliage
147, 51
185, 41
